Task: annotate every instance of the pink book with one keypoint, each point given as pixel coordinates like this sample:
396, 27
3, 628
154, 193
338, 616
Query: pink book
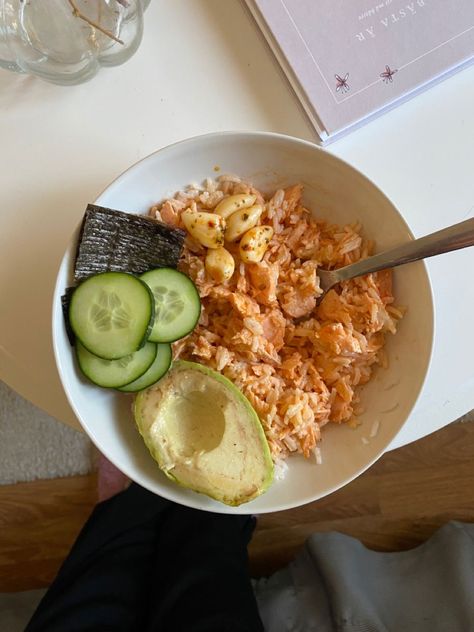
351, 60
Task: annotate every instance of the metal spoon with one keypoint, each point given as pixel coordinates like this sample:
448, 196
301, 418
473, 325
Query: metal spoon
453, 238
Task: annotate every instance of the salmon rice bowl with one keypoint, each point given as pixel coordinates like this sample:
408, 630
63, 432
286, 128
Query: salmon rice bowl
299, 361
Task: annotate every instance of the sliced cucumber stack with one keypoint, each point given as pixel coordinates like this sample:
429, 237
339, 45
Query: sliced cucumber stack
177, 304
116, 373
123, 325
158, 368
112, 314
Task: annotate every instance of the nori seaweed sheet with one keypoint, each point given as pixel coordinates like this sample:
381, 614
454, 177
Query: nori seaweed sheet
114, 241
65, 302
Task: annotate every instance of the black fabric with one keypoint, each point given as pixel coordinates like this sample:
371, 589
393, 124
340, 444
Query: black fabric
142, 563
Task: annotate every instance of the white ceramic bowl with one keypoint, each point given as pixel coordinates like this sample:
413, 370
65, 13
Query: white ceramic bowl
336, 191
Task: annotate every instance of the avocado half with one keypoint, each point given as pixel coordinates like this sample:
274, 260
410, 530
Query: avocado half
204, 434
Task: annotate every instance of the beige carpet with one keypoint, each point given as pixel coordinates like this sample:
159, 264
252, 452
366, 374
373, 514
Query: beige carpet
16, 609
33, 445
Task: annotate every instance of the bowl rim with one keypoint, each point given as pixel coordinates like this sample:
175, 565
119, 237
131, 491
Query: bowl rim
246, 507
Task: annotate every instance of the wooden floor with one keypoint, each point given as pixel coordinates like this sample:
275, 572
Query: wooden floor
395, 505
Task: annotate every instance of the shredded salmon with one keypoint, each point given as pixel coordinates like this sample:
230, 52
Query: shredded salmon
298, 376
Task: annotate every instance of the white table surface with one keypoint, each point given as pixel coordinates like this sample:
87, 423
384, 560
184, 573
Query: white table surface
204, 67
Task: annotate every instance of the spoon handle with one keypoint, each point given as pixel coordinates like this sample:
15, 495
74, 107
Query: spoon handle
453, 238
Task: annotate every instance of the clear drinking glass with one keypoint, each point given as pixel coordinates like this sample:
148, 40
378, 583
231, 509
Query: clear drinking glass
67, 41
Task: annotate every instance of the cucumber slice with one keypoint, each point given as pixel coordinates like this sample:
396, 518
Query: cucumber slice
115, 373
177, 304
112, 314
159, 367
